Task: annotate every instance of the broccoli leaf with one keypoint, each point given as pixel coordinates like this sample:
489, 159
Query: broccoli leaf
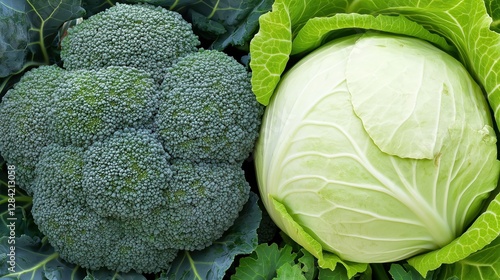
222, 22
14, 37
32, 26
213, 261
93, 7
32, 258
15, 205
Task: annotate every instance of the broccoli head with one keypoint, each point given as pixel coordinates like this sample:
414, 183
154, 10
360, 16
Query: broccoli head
141, 36
127, 168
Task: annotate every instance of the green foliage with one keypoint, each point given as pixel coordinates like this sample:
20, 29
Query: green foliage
407, 272
481, 265
493, 8
290, 261
15, 206
264, 262
32, 27
223, 23
35, 259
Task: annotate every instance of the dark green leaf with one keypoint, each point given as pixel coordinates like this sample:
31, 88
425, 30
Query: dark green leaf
15, 205
407, 272
340, 273
32, 258
14, 37
222, 22
93, 7
308, 264
493, 7
212, 262
32, 27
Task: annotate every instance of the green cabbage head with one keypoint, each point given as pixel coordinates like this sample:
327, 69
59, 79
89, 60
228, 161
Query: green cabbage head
377, 147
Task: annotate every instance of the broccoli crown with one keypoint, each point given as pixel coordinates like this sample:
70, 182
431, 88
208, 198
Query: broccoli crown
207, 108
141, 36
126, 172
24, 112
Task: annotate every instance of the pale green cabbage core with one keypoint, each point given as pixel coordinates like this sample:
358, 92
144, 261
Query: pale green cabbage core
381, 147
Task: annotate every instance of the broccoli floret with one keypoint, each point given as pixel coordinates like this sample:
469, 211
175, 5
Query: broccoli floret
24, 112
207, 109
126, 172
141, 36
196, 214
92, 104
126, 175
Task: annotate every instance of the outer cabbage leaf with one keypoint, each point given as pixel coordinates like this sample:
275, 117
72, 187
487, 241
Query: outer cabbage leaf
482, 265
271, 46
463, 251
319, 29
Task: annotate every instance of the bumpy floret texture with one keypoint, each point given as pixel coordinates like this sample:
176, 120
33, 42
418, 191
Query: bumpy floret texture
77, 230
82, 113
115, 183
125, 169
207, 108
196, 214
140, 36
24, 112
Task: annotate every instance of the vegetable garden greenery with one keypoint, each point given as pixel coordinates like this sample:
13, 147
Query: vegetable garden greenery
134, 146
